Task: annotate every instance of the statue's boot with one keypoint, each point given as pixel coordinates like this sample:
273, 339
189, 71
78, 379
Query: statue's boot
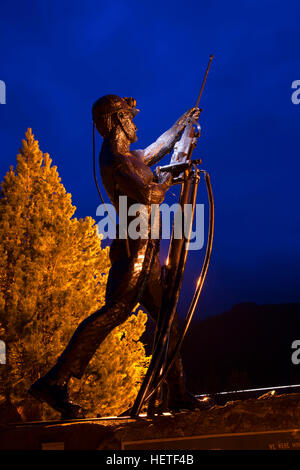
57, 397
188, 401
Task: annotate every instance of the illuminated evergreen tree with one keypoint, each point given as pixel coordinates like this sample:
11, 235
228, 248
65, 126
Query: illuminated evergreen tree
53, 274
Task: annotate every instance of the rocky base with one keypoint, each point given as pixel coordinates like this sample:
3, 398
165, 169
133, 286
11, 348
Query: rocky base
269, 414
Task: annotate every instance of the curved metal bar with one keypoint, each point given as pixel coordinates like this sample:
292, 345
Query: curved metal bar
180, 272
170, 301
198, 288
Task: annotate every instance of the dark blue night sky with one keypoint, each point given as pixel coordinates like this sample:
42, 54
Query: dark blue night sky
58, 57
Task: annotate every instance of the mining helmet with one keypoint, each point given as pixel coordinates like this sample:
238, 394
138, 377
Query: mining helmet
110, 104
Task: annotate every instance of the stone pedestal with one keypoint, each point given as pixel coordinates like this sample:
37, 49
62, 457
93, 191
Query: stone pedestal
272, 422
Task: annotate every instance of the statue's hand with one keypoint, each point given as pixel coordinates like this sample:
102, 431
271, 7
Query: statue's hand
163, 178
167, 179
193, 113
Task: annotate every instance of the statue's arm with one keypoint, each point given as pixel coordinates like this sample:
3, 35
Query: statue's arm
132, 185
165, 143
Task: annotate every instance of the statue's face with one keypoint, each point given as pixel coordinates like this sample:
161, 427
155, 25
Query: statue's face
128, 125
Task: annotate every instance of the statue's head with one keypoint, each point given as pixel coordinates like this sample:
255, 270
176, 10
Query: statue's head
111, 111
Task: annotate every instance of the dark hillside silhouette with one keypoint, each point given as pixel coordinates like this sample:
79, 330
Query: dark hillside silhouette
247, 346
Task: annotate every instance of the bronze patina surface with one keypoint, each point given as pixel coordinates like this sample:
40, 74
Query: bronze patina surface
135, 274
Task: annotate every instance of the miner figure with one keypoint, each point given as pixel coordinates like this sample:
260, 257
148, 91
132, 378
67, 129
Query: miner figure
135, 274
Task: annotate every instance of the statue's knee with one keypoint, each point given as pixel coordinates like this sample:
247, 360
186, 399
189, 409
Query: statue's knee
120, 311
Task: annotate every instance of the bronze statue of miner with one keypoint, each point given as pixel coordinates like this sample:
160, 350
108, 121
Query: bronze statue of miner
135, 274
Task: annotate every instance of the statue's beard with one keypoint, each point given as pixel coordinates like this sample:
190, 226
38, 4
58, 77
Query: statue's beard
132, 137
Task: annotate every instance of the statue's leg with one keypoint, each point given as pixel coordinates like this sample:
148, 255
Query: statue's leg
151, 301
87, 338
124, 282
